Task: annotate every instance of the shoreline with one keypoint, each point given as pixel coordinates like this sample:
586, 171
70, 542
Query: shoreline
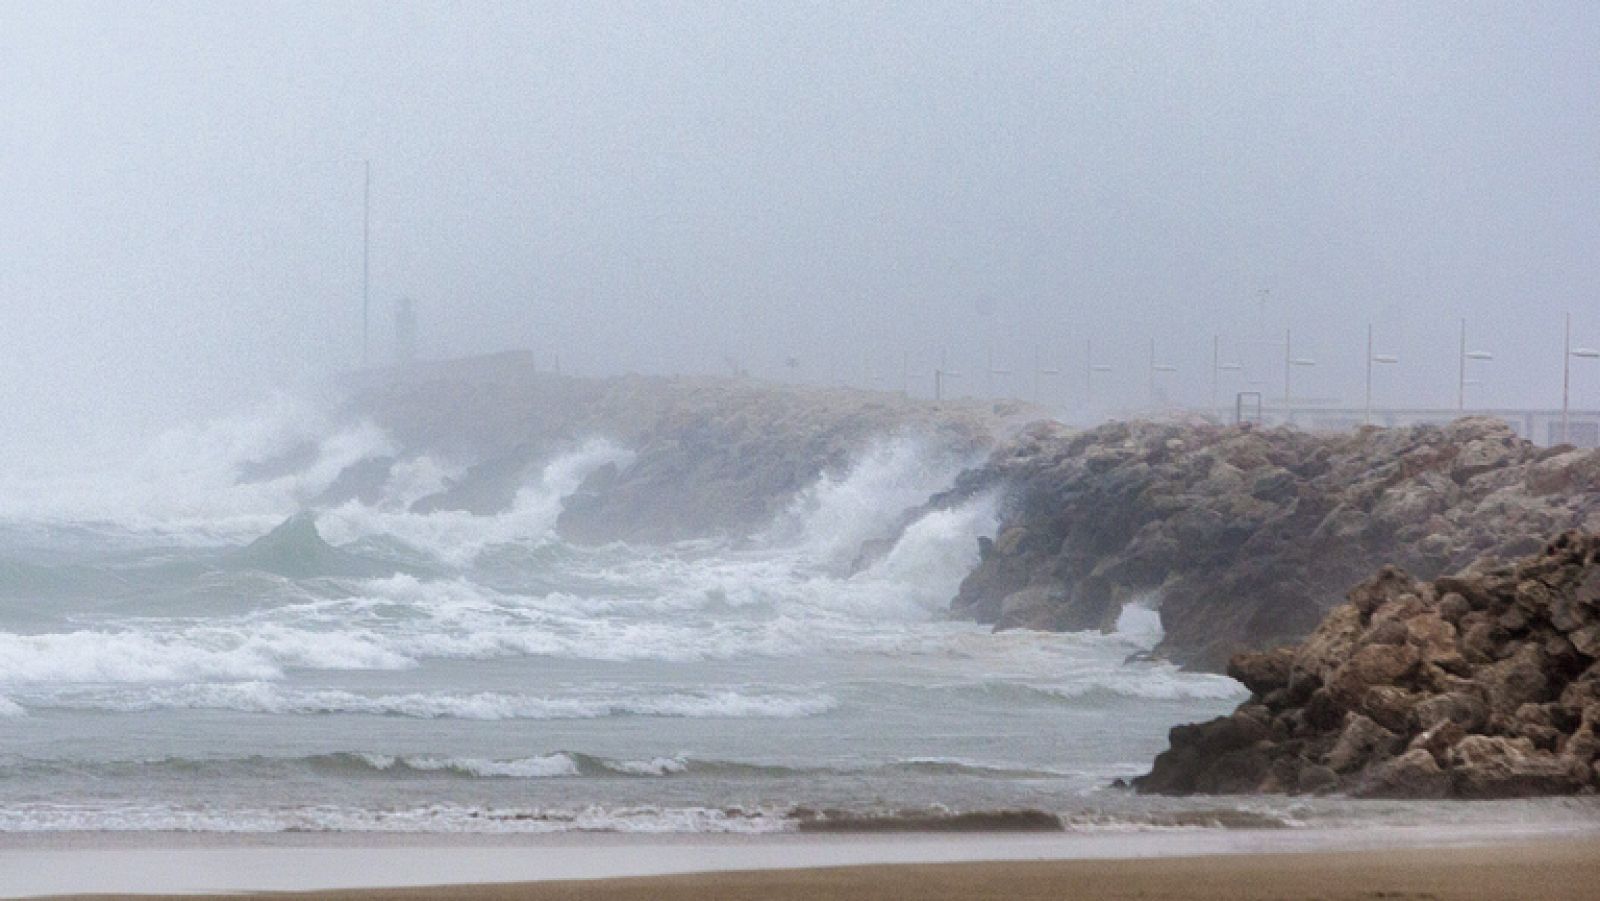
1556, 870
366, 865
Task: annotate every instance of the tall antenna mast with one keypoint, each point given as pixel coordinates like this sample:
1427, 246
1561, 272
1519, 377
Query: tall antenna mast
366, 268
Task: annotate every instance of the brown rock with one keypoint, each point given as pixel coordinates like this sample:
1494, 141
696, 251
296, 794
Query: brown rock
1465, 710
1438, 741
1362, 742
1369, 666
1390, 707
1517, 680
1315, 779
1484, 766
1452, 607
1263, 673
1390, 583
1414, 774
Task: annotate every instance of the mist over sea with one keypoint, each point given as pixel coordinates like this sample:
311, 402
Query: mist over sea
185, 649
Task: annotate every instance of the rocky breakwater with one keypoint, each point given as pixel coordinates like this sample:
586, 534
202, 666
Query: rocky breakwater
707, 456
1481, 685
1246, 537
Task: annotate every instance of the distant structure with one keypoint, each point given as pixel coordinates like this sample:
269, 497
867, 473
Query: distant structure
405, 331
1543, 427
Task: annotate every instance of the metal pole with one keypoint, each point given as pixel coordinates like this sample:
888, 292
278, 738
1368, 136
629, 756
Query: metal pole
1566, 378
1369, 374
1461, 390
1088, 373
1152, 373
366, 267
1216, 369
1288, 368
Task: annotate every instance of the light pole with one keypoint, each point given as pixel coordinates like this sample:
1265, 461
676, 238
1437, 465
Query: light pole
366, 257
939, 375
1371, 359
1089, 369
1154, 369
1587, 353
1289, 363
994, 372
1218, 368
1039, 371
1462, 382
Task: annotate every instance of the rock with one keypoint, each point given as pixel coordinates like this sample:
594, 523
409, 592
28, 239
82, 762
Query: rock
1390, 707
1485, 766
1465, 710
1390, 583
1515, 681
1373, 664
1452, 607
1263, 673
1252, 536
1479, 711
1361, 742
1414, 774
1030, 608
1316, 779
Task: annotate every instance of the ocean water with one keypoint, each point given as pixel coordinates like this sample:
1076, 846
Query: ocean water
446, 673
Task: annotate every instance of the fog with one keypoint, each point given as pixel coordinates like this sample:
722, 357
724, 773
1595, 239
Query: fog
861, 188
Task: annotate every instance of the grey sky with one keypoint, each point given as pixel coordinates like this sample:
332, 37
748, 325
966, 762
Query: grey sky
652, 186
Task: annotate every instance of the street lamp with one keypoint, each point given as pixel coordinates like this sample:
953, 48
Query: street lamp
940, 373
1218, 368
1462, 380
1373, 358
1290, 361
1039, 371
1090, 367
1586, 353
1156, 368
994, 372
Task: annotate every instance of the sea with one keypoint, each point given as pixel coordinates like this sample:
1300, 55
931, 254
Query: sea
188, 645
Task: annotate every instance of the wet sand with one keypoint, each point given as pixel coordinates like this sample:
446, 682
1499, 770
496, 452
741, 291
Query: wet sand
1551, 869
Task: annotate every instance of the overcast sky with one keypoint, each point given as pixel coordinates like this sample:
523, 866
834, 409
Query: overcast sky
660, 187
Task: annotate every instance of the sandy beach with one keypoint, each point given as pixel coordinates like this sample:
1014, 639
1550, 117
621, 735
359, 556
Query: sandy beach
1560, 869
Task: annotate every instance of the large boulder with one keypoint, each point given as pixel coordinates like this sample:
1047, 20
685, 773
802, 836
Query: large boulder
1389, 699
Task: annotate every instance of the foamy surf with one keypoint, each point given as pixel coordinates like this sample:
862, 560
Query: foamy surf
498, 679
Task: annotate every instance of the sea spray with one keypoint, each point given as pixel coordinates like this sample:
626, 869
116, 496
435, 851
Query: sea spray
184, 486
456, 538
831, 520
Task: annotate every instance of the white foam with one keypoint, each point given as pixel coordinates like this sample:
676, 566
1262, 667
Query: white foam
655, 766
456, 537
547, 767
1139, 624
444, 819
265, 697
182, 486
10, 708
830, 520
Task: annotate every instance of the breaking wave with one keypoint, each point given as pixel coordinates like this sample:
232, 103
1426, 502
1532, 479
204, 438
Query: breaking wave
268, 698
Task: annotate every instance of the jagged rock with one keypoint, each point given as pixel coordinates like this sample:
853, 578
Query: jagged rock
1463, 709
1361, 741
1414, 774
1263, 673
1403, 707
1251, 536
1484, 766
362, 481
